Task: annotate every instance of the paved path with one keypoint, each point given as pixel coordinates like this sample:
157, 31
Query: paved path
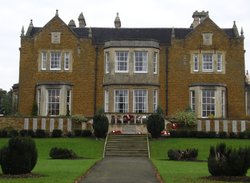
122, 170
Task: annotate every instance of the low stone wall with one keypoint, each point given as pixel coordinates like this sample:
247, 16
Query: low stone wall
228, 126
48, 124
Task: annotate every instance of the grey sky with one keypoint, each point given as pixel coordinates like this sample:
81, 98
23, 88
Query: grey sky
101, 13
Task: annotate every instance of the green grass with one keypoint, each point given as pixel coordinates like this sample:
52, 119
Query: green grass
174, 171
61, 171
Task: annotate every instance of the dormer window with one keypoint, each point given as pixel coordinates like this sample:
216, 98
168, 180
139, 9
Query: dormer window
55, 37
207, 38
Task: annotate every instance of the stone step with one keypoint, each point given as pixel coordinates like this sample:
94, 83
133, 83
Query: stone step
127, 145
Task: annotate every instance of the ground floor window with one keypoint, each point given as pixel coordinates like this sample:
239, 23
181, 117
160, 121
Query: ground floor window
140, 101
208, 100
121, 101
53, 99
208, 103
53, 102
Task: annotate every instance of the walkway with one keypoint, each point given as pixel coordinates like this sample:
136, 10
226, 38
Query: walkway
122, 170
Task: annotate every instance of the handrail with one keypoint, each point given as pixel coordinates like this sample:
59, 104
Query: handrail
148, 146
104, 148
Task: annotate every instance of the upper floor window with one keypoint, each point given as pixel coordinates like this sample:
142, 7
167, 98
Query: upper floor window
55, 60
66, 61
121, 61
141, 62
106, 62
192, 100
196, 62
55, 37
155, 63
44, 61
219, 62
207, 62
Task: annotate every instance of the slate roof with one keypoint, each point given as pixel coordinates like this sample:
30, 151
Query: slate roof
162, 35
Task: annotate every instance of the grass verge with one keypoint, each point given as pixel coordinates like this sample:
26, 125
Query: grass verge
183, 171
63, 171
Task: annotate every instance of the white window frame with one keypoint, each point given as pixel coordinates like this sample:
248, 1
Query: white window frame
68, 101
44, 60
38, 102
141, 62
207, 64
196, 62
54, 59
125, 96
106, 101
155, 63
49, 104
219, 62
107, 62
210, 102
192, 100
155, 100
140, 98
67, 61
119, 61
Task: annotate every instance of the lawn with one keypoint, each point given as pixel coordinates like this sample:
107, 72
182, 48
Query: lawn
63, 171
174, 171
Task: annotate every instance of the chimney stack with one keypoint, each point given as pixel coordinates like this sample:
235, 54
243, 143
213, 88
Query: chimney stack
199, 17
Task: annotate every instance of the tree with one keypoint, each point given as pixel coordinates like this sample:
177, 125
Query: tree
155, 125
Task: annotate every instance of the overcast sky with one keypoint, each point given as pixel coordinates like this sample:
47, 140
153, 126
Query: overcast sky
101, 13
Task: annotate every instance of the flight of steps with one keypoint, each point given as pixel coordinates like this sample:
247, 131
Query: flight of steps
127, 145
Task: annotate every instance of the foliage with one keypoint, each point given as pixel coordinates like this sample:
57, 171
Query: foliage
188, 154
40, 133
34, 109
155, 125
222, 134
26, 133
223, 161
62, 153
159, 110
78, 118
12, 133
86, 133
100, 125
5, 102
19, 156
78, 132
3, 133
185, 118
56, 133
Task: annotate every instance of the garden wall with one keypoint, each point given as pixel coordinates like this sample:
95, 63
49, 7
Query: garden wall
223, 125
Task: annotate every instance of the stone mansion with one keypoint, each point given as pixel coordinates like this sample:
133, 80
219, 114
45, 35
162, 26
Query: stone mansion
69, 69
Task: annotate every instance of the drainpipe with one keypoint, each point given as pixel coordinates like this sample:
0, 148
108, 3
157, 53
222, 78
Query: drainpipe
166, 81
95, 81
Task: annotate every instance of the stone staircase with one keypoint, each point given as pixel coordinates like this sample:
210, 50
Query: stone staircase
126, 145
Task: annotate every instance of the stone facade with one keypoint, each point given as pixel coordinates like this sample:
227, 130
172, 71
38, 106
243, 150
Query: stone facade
65, 67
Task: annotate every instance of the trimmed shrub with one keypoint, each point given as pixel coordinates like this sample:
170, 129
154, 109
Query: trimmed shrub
86, 133
192, 134
40, 133
78, 132
62, 153
56, 133
100, 125
233, 135
242, 135
188, 154
201, 134
13, 133
69, 134
223, 161
211, 134
26, 133
155, 125
223, 135
3, 133
19, 156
